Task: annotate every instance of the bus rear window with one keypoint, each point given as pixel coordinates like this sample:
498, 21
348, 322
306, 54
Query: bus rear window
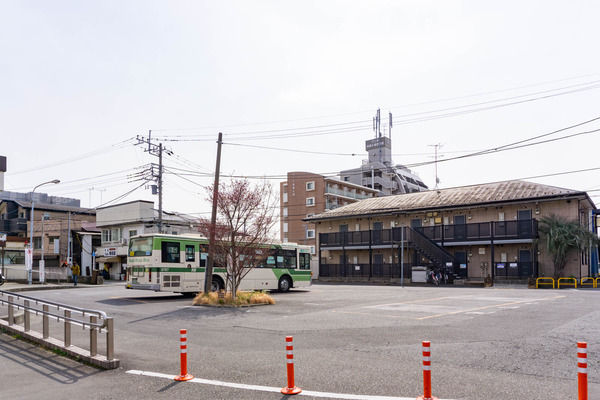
140, 247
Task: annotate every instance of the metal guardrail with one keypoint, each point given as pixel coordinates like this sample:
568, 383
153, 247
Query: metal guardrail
98, 322
588, 281
567, 281
543, 280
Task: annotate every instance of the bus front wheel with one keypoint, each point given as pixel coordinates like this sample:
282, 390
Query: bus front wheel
285, 284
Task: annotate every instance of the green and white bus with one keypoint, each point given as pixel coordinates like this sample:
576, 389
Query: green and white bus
177, 263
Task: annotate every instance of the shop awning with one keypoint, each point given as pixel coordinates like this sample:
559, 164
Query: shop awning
108, 259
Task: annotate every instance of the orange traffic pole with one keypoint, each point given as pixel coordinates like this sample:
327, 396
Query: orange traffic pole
582, 383
184, 376
291, 386
426, 373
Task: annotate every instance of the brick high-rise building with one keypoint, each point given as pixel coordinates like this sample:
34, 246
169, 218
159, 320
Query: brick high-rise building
305, 194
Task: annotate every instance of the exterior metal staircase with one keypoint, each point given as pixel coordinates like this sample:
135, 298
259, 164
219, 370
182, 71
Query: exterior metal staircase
438, 256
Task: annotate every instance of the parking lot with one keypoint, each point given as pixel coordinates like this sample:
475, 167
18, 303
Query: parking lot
349, 340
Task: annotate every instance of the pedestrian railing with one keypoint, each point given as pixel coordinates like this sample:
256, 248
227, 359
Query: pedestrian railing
94, 321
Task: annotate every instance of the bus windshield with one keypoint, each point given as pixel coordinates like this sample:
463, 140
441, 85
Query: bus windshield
140, 247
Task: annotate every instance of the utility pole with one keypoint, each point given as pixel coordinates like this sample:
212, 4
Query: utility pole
69, 243
213, 222
42, 263
160, 190
436, 146
156, 150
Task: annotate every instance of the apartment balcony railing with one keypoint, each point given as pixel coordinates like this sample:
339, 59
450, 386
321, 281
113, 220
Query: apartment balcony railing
487, 231
484, 231
13, 225
346, 193
365, 271
502, 270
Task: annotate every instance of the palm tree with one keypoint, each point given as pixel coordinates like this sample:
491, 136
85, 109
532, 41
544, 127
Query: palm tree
562, 236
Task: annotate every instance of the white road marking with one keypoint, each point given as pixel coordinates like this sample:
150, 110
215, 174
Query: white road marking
272, 389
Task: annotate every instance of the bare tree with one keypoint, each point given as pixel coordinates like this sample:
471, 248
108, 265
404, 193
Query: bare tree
245, 218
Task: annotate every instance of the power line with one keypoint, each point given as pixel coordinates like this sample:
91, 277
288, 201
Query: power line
221, 127
94, 153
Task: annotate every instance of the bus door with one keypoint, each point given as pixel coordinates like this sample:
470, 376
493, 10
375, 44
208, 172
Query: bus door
191, 276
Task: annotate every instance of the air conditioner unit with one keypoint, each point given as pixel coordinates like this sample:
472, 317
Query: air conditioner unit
123, 241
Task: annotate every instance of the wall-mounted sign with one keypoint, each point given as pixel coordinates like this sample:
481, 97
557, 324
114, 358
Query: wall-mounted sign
376, 143
110, 251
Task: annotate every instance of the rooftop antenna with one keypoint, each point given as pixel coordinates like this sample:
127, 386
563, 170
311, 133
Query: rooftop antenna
377, 129
390, 127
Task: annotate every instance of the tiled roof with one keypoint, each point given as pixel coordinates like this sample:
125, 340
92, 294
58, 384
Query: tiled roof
508, 191
54, 207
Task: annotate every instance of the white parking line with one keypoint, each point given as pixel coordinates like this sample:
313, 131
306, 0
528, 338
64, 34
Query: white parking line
272, 389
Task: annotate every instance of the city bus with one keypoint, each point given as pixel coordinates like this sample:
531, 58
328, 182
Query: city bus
177, 263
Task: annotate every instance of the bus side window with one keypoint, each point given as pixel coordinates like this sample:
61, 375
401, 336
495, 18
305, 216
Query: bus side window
170, 252
190, 254
203, 255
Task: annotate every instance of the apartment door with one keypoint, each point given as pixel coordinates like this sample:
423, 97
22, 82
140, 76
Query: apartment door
460, 227
343, 265
344, 233
377, 227
525, 263
377, 264
524, 225
461, 256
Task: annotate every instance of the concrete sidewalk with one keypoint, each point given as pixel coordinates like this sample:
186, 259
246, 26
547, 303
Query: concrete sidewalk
24, 287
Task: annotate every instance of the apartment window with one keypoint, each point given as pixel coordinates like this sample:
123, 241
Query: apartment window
111, 235
54, 244
285, 197
285, 211
310, 201
310, 233
310, 186
37, 243
312, 250
132, 233
285, 240
285, 227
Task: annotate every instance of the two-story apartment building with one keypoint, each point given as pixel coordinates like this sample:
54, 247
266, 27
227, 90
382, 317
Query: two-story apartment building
479, 231
123, 221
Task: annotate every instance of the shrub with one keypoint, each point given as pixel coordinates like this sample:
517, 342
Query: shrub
241, 298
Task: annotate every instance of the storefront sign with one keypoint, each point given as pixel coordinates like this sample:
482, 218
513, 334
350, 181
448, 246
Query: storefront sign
110, 251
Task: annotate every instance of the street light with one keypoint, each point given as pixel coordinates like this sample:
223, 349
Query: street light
30, 267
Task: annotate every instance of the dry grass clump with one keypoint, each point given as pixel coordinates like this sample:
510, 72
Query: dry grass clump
241, 298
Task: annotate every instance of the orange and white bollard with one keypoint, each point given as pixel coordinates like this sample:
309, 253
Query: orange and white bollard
184, 376
426, 373
582, 383
291, 386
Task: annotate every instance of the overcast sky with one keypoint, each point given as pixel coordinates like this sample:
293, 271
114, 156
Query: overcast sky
293, 86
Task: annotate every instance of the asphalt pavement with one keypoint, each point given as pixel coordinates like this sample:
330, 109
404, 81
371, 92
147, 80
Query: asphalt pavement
350, 341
